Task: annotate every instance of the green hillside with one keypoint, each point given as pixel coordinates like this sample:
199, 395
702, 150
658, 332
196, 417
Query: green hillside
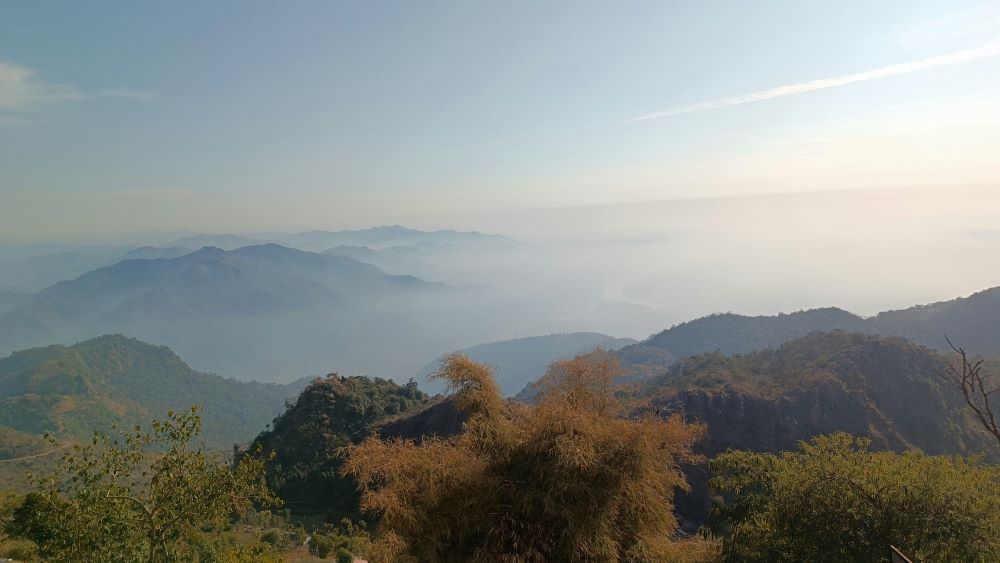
71, 391
885, 389
881, 387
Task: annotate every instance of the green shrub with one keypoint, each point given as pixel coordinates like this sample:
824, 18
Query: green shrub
344, 555
837, 501
276, 538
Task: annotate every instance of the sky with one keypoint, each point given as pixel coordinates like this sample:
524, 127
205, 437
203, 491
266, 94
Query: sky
123, 117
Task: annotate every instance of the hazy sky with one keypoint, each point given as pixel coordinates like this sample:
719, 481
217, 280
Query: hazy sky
245, 116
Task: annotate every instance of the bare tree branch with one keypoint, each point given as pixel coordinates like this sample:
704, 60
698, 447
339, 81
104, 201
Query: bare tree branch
972, 382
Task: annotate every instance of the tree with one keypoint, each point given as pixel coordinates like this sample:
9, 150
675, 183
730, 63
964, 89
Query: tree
975, 387
330, 413
837, 501
141, 497
571, 479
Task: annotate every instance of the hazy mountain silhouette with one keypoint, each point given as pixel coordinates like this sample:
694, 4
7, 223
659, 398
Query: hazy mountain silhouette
152, 252
381, 237
972, 322
257, 311
317, 241
24, 270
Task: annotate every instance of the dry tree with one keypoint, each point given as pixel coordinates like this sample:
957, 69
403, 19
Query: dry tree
975, 386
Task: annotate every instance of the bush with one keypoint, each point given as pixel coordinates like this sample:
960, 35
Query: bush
837, 501
344, 555
575, 478
112, 500
276, 538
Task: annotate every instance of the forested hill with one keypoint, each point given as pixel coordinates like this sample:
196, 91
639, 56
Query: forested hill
972, 322
767, 401
330, 413
72, 391
885, 388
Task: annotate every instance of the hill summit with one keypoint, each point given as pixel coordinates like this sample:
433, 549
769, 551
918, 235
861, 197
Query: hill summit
72, 391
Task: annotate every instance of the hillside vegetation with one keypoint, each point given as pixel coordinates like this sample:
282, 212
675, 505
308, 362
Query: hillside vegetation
885, 388
571, 479
73, 391
330, 413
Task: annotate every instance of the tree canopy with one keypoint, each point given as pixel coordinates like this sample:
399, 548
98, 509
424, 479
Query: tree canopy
575, 478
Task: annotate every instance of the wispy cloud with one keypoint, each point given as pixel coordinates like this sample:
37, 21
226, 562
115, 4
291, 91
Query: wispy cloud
133, 94
991, 49
21, 87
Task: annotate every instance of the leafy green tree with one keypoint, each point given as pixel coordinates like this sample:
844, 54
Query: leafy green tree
330, 413
575, 478
837, 501
145, 496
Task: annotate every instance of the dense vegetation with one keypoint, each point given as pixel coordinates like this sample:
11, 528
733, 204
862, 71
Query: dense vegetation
331, 413
571, 479
73, 391
834, 500
588, 473
885, 388
148, 495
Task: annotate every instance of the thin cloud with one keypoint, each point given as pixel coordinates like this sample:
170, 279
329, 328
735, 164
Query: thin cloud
991, 49
133, 94
21, 87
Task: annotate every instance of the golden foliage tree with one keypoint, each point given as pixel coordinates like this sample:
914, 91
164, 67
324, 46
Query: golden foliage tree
579, 477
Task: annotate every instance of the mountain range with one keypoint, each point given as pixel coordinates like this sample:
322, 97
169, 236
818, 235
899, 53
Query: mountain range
34, 267
318, 241
251, 311
972, 322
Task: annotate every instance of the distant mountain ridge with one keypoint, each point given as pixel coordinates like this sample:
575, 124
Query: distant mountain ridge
34, 267
972, 322
318, 241
33, 272
252, 309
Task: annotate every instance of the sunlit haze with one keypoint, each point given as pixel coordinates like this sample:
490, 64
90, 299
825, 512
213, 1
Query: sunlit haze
649, 163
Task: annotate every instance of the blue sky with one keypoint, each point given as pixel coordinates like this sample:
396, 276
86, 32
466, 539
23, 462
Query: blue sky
219, 116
